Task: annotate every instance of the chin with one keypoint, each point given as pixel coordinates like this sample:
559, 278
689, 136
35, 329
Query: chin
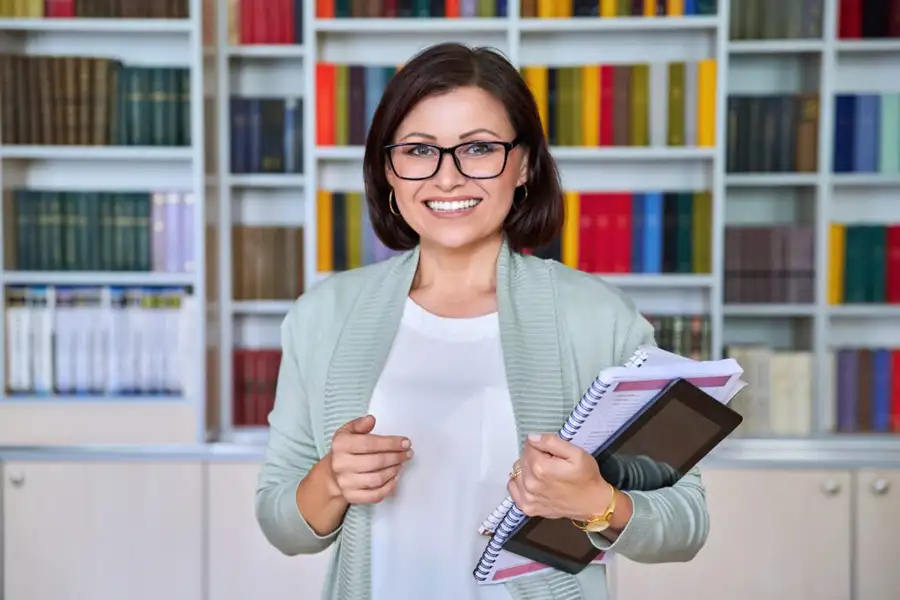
456, 240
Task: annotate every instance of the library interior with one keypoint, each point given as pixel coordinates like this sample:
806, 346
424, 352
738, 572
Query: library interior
228, 136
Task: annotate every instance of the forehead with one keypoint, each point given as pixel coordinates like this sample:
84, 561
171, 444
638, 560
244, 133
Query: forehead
453, 113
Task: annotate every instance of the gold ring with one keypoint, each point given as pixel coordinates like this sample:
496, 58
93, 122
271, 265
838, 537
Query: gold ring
517, 470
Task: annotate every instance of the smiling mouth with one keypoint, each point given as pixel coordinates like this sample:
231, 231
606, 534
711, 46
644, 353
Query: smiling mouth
450, 206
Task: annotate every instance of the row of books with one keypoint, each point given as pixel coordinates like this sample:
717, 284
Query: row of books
867, 133
548, 9
868, 19
864, 263
95, 9
255, 378
778, 400
267, 262
266, 135
94, 341
687, 335
422, 9
867, 390
605, 232
772, 133
52, 230
775, 19
644, 104
84, 101
265, 21
772, 264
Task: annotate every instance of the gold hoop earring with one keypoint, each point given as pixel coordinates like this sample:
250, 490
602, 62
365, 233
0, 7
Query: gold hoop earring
391, 202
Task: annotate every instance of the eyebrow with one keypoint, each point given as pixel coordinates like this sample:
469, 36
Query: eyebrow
462, 136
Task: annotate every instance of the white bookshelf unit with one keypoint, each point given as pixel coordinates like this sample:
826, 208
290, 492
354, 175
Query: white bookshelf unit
50, 417
824, 65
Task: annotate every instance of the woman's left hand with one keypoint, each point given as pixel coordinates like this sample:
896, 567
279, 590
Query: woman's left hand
557, 479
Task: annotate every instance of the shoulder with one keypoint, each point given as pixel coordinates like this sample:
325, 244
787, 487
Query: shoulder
591, 309
328, 303
585, 293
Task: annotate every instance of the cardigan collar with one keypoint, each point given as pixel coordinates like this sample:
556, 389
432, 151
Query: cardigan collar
531, 347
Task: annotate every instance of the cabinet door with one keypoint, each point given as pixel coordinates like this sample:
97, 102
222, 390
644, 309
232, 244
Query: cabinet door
877, 534
102, 531
778, 535
242, 563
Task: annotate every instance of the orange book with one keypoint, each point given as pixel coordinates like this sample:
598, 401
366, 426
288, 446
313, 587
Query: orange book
325, 9
326, 97
324, 233
451, 9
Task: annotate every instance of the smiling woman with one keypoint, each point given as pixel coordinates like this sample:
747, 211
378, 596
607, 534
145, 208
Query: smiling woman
409, 388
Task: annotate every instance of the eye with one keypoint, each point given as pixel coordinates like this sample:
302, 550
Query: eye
480, 148
420, 150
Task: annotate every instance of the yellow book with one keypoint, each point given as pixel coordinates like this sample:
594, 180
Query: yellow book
590, 105
234, 22
607, 8
706, 103
640, 105
354, 229
342, 106
837, 246
546, 9
701, 232
536, 78
649, 8
324, 232
572, 208
675, 8
564, 8
576, 126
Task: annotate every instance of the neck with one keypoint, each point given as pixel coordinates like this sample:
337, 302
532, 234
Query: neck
460, 270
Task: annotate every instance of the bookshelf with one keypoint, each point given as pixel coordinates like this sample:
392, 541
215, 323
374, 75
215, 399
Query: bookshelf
79, 189
777, 53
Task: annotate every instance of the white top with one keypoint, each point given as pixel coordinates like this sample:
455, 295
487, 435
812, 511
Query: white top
444, 387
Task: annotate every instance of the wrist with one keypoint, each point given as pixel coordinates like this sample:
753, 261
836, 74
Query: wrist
332, 489
598, 498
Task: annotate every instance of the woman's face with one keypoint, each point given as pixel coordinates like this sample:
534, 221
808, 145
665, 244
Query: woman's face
449, 209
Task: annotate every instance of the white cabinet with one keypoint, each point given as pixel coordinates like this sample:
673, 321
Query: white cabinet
102, 530
242, 563
774, 534
877, 535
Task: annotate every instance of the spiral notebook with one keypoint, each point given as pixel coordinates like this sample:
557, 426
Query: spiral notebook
613, 398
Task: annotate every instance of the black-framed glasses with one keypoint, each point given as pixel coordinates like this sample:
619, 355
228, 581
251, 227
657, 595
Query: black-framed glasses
478, 159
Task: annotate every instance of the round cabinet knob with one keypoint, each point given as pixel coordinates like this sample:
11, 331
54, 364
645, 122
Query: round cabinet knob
880, 486
830, 487
17, 479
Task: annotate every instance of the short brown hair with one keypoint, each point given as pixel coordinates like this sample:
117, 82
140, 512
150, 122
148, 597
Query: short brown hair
532, 223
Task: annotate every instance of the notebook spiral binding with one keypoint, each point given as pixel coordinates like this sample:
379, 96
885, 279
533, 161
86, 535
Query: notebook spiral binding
506, 517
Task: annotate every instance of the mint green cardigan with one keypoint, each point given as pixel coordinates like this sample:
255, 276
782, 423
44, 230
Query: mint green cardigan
559, 327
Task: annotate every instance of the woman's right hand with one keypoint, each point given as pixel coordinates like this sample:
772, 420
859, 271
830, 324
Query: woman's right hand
364, 465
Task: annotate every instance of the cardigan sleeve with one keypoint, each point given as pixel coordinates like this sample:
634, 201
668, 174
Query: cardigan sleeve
290, 455
667, 525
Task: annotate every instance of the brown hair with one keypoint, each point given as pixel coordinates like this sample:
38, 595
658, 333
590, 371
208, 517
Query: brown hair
533, 222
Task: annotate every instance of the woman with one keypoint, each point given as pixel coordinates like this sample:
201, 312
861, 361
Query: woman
409, 389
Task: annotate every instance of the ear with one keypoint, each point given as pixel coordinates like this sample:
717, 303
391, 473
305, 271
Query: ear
523, 170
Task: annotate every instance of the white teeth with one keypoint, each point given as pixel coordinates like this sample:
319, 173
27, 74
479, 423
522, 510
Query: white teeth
452, 205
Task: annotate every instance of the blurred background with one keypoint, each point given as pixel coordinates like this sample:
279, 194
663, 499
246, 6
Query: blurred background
176, 173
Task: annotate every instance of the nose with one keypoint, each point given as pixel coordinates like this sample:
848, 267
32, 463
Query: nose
448, 176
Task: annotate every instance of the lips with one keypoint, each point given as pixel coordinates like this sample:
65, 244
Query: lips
454, 205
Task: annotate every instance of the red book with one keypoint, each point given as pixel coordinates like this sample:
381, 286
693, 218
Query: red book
607, 97
849, 19
895, 391
893, 264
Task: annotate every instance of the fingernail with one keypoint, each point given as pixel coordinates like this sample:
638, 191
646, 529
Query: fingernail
409, 454
534, 437
405, 443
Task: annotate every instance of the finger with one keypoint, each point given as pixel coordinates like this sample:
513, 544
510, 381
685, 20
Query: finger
522, 499
550, 443
364, 424
368, 496
370, 444
366, 481
367, 463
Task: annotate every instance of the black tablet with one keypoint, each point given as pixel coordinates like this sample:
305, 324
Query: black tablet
654, 449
